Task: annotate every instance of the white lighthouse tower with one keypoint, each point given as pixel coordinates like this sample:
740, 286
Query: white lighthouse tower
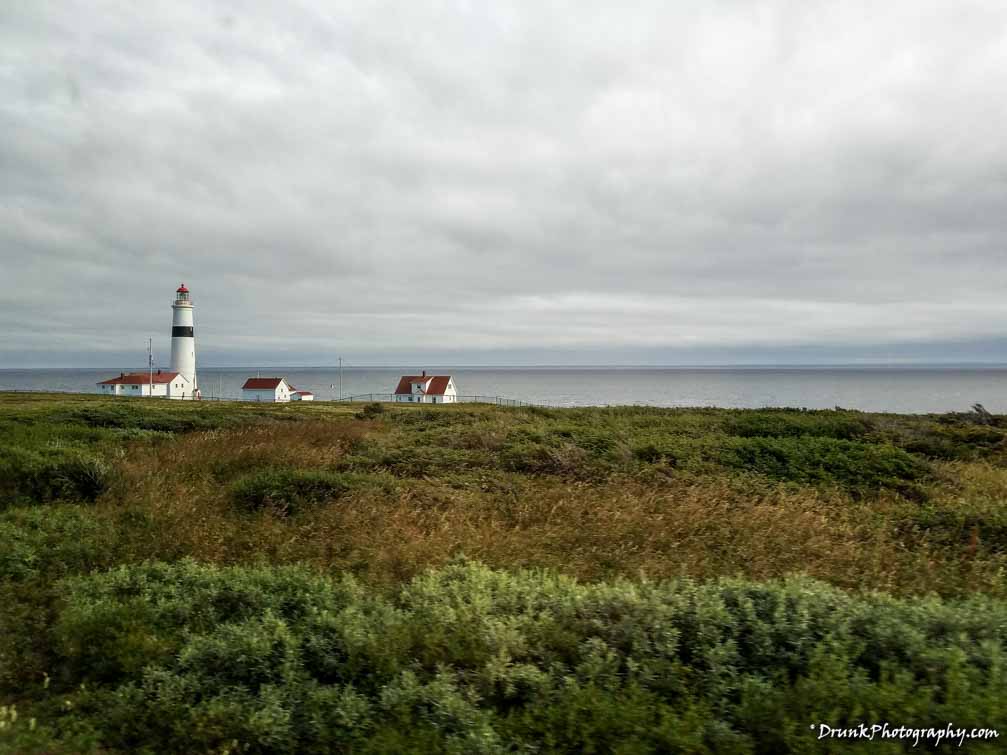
183, 341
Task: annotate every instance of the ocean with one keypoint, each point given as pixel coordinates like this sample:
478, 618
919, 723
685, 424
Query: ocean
914, 390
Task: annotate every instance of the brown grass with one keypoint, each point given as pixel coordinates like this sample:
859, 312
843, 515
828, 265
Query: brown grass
173, 501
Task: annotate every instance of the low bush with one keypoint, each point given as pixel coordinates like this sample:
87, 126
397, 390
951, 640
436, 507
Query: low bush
189, 658
957, 442
419, 459
596, 441
860, 468
371, 410
556, 458
969, 525
24, 735
791, 423
652, 453
53, 541
49, 474
289, 490
134, 415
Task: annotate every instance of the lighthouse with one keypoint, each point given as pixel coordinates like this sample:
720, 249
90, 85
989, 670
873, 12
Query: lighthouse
183, 341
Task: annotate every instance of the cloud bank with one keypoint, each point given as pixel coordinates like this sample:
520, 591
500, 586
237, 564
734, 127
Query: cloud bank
539, 182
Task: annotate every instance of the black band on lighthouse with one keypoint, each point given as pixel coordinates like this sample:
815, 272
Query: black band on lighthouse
181, 331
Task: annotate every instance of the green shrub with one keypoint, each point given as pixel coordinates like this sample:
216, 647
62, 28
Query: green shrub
154, 416
83, 476
289, 490
563, 459
24, 735
860, 468
184, 658
650, 453
595, 441
957, 443
431, 419
54, 541
790, 423
420, 459
966, 524
371, 410
38, 545
52, 473
120, 622
135, 434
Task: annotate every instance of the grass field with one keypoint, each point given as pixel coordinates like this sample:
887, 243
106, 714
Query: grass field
208, 578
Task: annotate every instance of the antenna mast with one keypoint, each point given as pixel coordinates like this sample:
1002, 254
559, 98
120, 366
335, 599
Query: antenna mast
150, 368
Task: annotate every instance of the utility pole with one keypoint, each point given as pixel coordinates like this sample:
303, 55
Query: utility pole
150, 368
340, 378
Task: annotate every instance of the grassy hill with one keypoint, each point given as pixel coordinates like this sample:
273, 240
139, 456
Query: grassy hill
202, 578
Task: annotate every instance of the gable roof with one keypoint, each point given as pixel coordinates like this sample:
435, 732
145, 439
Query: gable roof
438, 385
304, 393
263, 384
406, 383
141, 378
435, 384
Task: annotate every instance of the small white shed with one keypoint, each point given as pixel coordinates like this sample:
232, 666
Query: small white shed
266, 389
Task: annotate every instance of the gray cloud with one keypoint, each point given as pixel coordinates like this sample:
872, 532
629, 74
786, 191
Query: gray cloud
539, 181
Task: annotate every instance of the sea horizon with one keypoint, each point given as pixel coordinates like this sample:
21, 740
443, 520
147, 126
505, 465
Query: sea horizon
905, 388
598, 366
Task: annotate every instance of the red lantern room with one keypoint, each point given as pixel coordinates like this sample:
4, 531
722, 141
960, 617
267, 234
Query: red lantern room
182, 293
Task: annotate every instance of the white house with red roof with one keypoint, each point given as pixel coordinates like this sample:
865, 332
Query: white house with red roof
302, 396
426, 389
269, 389
152, 383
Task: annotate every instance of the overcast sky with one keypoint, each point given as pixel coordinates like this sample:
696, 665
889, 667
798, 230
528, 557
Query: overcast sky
492, 183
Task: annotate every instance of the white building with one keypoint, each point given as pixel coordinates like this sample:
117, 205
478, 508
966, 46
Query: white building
302, 396
267, 389
426, 389
163, 384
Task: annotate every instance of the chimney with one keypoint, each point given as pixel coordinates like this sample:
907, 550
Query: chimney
424, 373
122, 374
158, 372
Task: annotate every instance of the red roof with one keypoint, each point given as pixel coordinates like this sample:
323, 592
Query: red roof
141, 378
406, 381
304, 393
436, 384
181, 289
262, 384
